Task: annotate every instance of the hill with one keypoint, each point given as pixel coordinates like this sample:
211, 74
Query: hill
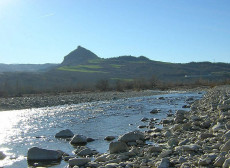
84, 61
82, 69
78, 56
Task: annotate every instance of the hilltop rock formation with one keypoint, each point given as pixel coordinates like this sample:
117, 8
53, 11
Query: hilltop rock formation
78, 56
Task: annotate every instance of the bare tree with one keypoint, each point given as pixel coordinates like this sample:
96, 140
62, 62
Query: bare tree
102, 85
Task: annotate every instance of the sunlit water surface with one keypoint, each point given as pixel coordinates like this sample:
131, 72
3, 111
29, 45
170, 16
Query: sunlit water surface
23, 129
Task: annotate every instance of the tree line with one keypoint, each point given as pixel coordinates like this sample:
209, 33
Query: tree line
16, 88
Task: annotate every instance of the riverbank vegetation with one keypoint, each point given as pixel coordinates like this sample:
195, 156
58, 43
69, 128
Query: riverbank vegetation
16, 88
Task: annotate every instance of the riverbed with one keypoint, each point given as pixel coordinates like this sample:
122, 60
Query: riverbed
23, 129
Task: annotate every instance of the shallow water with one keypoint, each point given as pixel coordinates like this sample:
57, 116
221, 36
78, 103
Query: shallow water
23, 129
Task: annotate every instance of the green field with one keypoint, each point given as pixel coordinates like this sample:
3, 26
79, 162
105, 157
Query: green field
116, 65
96, 61
83, 68
122, 79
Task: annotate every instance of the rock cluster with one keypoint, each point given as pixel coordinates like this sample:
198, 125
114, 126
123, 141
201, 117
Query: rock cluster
198, 138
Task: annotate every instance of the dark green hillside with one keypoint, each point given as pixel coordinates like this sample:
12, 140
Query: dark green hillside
129, 67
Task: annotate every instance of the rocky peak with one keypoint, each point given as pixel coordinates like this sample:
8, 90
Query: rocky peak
79, 56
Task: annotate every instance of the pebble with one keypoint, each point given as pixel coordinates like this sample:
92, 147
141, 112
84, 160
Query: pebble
109, 138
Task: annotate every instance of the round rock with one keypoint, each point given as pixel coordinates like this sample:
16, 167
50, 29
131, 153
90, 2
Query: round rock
78, 162
64, 134
118, 147
109, 138
132, 136
78, 140
36, 153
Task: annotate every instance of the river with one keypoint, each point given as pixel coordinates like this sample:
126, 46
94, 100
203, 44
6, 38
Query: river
23, 129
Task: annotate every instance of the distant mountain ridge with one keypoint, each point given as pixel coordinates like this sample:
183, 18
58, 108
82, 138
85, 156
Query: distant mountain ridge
82, 62
83, 68
26, 67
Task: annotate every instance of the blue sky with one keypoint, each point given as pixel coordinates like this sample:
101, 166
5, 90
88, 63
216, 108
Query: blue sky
181, 31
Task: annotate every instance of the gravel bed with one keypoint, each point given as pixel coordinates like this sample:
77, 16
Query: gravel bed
196, 138
48, 100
